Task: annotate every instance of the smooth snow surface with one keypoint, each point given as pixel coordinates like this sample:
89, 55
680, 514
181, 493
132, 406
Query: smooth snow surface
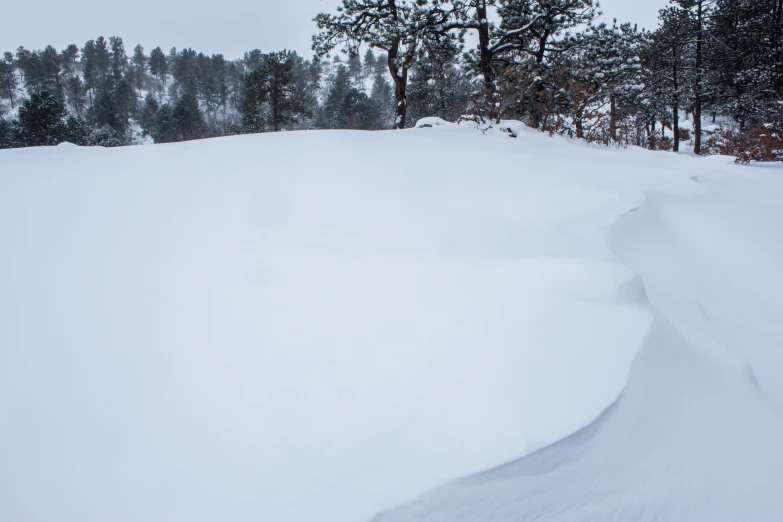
292, 328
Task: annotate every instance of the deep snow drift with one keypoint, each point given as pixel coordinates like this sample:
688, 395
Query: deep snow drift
325, 325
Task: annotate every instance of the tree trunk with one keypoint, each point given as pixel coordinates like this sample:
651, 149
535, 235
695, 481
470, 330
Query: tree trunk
675, 105
539, 106
486, 55
612, 120
676, 127
275, 102
400, 77
400, 87
697, 86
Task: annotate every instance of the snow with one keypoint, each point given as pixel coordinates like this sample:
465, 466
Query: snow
432, 121
253, 328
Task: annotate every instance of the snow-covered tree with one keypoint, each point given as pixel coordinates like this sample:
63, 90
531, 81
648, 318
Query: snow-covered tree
397, 27
673, 73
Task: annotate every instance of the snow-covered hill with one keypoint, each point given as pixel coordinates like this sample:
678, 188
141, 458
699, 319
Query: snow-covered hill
326, 325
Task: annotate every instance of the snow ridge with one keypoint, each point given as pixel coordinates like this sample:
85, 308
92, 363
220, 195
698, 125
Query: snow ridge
687, 439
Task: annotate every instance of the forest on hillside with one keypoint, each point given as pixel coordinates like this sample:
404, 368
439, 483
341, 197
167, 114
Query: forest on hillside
710, 74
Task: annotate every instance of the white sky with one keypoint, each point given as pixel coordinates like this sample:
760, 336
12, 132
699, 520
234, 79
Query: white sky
229, 27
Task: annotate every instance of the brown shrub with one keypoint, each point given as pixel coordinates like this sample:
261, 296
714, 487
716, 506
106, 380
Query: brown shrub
759, 143
657, 142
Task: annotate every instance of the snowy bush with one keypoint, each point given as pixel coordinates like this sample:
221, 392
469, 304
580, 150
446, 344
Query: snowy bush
760, 143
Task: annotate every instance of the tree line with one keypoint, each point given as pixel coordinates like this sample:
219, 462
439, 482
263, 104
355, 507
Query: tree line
547, 63
101, 95
716, 63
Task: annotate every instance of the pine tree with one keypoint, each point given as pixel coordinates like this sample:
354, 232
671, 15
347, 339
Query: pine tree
75, 93
698, 11
68, 60
608, 67
188, 118
346, 107
89, 68
102, 59
184, 70
274, 97
118, 57
51, 68
70, 54
7, 134
8, 80
253, 60
41, 120
149, 116
139, 61
355, 70
165, 129
743, 65
396, 27
382, 99
673, 74
439, 87
158, 64
369, 63
104, 111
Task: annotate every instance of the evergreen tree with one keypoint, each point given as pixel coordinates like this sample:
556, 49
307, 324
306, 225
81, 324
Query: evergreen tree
76, 94
273, 95
24, 61
118, 57
253, 108
188, 119
744, 65
439, 87
7, 135
346, 107
369, 63
51, 67
139, 61
382, 100
89, 68
355, 70
158, 64
673, 74
8, 80
114, 105
101, 58
221, 77
252, 60
149, 116
76, 131
105, 136
184, 69
698, 12
70, 54
396, 27
42, 120
165, 129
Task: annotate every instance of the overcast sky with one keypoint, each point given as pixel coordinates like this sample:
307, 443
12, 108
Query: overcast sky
229, 27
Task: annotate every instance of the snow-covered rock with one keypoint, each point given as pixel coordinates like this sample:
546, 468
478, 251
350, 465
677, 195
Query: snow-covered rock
432, 121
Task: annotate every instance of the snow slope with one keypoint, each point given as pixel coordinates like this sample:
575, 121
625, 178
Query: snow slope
290, 327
